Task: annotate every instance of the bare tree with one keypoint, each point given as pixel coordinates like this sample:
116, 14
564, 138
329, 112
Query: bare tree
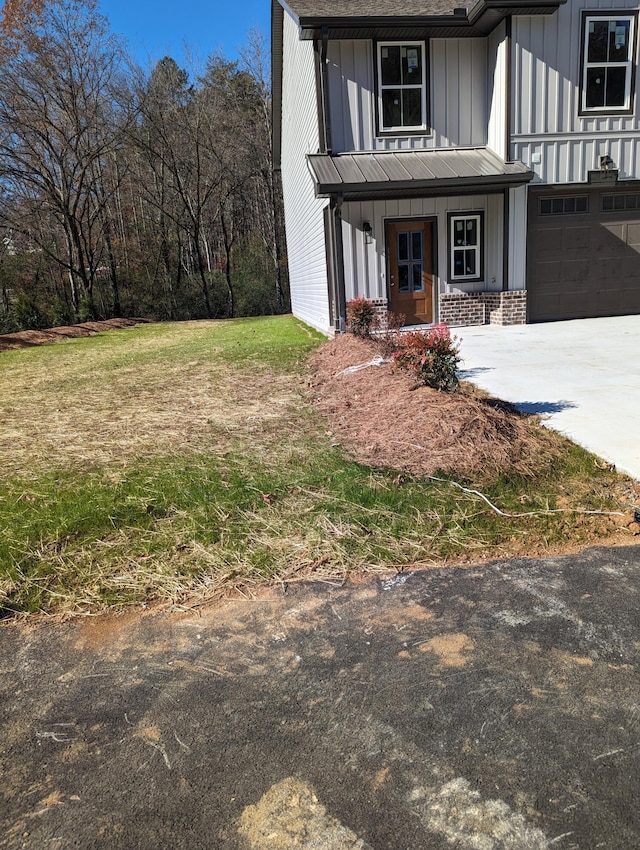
61, 119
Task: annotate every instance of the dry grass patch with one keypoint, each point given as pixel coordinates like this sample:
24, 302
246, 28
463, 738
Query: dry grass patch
68, 409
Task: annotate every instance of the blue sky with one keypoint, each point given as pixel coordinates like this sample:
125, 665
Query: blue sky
157, 28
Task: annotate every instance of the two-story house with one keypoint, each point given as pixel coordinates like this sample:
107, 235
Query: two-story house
466, 165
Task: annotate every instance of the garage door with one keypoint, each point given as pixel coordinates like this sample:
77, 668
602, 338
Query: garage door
583, 253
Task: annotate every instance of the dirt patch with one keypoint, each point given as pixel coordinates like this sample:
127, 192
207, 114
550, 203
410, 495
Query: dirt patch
449, 648
289, 817
384, 420
27, 339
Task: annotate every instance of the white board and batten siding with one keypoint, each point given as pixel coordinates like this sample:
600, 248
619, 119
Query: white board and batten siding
366, 265
303, 211
497, 91
457, 95
546, 82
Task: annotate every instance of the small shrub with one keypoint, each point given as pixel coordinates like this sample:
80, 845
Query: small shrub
433, 356
361, 317
86, 309
24, 315
388, 336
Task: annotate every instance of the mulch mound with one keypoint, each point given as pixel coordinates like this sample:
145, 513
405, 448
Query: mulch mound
383, 419
25, 339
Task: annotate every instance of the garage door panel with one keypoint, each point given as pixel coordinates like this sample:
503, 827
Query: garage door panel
582, 265
576, 238
633, 235
551, 239
574, 271
611, 238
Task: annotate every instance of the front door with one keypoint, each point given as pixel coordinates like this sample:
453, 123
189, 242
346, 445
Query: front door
411, 270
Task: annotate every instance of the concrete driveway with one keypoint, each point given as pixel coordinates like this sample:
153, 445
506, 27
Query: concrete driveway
582, 376
488, 708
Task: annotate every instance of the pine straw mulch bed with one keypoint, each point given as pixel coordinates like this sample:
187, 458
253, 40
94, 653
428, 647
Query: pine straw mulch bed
384, 419
26, 339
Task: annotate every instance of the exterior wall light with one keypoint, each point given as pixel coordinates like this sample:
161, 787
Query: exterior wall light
606, 163
368, 233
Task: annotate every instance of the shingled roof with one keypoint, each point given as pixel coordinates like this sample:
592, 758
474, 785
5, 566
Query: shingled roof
372, 8
390, 18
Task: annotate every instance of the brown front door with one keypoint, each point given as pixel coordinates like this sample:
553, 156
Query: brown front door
411, 270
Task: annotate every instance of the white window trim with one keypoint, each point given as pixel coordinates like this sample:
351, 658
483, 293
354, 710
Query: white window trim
477, 248
416, 128
607, 15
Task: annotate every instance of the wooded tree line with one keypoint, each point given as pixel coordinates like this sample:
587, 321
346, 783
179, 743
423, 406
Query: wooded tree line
125, 192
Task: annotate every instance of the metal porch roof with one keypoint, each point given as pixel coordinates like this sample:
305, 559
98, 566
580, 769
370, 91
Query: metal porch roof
382, 174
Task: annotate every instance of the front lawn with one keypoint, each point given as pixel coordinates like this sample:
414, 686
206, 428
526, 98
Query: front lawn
177, 461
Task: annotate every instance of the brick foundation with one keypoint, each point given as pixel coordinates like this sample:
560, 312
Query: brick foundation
484, 308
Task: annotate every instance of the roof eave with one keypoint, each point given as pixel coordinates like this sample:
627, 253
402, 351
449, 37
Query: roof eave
277, 23
483, 17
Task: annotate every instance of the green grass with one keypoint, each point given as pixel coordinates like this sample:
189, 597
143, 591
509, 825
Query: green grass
175, 461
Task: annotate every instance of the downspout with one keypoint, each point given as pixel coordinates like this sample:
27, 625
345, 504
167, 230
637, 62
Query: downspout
506, 240
340, 320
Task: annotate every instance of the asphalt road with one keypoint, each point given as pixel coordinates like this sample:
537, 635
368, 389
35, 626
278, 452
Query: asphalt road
489, 708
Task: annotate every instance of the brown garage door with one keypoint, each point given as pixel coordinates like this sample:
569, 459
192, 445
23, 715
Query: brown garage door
583, 253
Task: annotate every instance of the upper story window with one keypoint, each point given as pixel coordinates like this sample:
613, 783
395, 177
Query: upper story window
402, 87
608, 63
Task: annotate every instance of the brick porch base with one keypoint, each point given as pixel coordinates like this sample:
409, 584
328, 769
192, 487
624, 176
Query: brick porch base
484, 308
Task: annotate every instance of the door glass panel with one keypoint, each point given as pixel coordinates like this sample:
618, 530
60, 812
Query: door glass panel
418, 285
416, 246
403, 246
403, 278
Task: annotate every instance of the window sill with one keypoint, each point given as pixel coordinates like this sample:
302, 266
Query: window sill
402, 134
603, 113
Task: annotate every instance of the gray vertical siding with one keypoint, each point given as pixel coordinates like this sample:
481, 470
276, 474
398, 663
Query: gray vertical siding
303, 212
518, 238
546, 96
457, 94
